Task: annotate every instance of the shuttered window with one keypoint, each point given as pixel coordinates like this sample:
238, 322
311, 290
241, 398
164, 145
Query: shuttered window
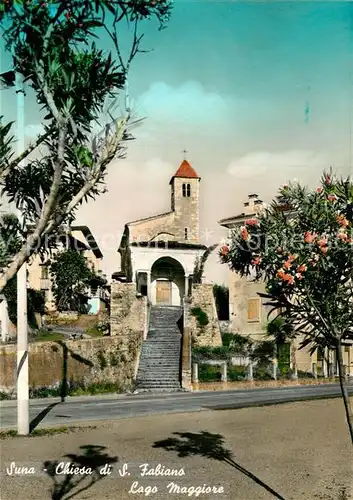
254, 309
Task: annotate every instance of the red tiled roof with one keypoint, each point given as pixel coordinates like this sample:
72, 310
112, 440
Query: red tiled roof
186, 170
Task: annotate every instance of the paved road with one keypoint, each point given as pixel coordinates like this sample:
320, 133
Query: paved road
95, 408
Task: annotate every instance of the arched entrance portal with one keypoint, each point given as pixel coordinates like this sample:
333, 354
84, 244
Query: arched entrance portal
167, 282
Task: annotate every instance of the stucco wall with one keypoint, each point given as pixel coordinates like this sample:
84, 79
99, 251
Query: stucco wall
202, 297
84, 362
143, 258
240, 291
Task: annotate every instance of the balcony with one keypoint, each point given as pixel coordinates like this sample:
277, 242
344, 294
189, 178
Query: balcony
45, 284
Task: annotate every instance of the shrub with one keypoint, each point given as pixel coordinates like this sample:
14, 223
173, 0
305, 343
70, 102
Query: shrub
200, 315
101, 360
205, 353
302, 374
236, 342
209, 373
262, 372
236, 373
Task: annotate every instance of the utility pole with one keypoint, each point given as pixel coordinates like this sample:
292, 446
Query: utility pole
22, 323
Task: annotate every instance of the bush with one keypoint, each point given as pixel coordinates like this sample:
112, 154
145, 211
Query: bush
209, 373
236, 373
205, 353
200, 315
103, 363
236, 342
262, 372
302, 374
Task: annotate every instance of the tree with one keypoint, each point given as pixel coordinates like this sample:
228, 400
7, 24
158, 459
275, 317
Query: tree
75, 83
301, 246
71, 276
35, 302
200, 264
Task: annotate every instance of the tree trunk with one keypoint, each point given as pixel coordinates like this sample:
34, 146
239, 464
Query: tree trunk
344, 389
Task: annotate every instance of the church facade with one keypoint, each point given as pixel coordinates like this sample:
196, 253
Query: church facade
158, 253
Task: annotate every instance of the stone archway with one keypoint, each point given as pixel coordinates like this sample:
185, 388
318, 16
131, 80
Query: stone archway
167, 282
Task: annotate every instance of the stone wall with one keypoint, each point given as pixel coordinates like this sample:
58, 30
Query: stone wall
127, 310
88, 361
61, 318
129, 318
208, 335
186, 347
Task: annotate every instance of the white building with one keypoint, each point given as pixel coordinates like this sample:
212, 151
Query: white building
158, 253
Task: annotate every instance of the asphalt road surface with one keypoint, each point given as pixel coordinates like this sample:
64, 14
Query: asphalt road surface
76, 410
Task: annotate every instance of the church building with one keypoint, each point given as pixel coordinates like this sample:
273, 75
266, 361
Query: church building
158, 253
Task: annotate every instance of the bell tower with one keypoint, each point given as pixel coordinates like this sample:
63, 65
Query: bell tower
185, 203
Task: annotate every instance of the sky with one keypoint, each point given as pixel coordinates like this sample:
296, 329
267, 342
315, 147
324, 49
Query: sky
258, 93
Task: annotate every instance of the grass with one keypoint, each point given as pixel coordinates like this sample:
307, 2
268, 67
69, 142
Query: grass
94, 332
93, 389
44, 432
72, 390
46, 336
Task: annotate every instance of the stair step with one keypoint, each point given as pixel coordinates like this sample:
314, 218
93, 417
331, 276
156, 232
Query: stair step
159, 367
157, 386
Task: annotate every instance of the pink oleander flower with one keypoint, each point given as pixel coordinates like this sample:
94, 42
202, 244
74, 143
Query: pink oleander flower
342, 236
289, 278
299, 276
292, 258
256, 261
287, 265
244, 233
322, 242
342, 221
328, 180
309, 237
281, 273
225, 250
302, 268
324, 249
251, 222
332, 197
319, 189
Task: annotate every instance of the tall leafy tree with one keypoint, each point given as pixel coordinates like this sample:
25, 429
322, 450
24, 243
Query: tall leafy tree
71, 276
302, 246
53, 49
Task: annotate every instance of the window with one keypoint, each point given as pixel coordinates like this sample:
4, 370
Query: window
254, 310
186, 190
44, 272
186, 233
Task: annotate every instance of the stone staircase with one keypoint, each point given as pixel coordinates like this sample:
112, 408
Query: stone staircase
159, 367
